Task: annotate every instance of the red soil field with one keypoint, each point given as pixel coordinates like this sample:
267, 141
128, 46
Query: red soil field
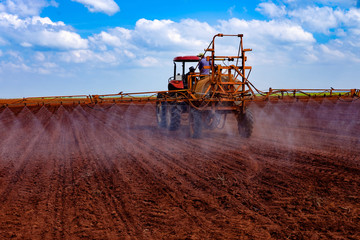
110, 173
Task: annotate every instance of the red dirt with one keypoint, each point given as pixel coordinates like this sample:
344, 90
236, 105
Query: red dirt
86, 173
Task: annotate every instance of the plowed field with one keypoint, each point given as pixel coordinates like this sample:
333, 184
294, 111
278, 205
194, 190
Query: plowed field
110, 173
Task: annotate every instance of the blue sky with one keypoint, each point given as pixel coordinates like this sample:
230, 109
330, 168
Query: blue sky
69, 47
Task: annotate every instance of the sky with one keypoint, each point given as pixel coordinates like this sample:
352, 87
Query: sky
81, 47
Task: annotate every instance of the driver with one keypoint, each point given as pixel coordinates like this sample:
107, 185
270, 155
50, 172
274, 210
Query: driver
185, 80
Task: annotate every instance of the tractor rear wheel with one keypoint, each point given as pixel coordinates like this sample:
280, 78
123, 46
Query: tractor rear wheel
245, 124
195, 123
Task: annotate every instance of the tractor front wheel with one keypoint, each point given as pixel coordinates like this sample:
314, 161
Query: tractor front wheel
161, 114
173, 116
245, 123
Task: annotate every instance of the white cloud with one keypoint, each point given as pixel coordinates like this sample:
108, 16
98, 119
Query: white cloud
129, 54
25, 7
350, 18
271, 10
283, 31
14, 22
116, 37
153, 39
39, 56
318, 19
14, 61
330, 3
231, 10
90, 57
38, 31
15, 66
26, 44
11, 21
158, 41
148, 62
106, 6
46, 68
332, 52
44, 21
166, 34
59, 39
3, 42
77, 56
110, 39
325, 19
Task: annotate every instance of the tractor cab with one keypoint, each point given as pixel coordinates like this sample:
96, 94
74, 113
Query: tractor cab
180, 79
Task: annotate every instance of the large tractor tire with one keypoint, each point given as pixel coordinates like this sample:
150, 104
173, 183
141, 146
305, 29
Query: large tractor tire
195, 123
168, 115
161, 114
173, 116
245, 124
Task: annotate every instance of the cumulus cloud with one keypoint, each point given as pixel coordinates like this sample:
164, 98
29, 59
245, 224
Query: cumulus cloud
351, 18
88, 56
338, 21
154, 41
188, 34
273, 30
148, 62
77, 56
326, 20
335, 54
61, 39
330, 3
25, 8
38, 31
115, 37
282, 40
318, 19
106, 6
271, 10
142, 46
11, 21
13, 60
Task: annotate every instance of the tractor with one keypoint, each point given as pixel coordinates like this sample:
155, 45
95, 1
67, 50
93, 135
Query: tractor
206, 98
